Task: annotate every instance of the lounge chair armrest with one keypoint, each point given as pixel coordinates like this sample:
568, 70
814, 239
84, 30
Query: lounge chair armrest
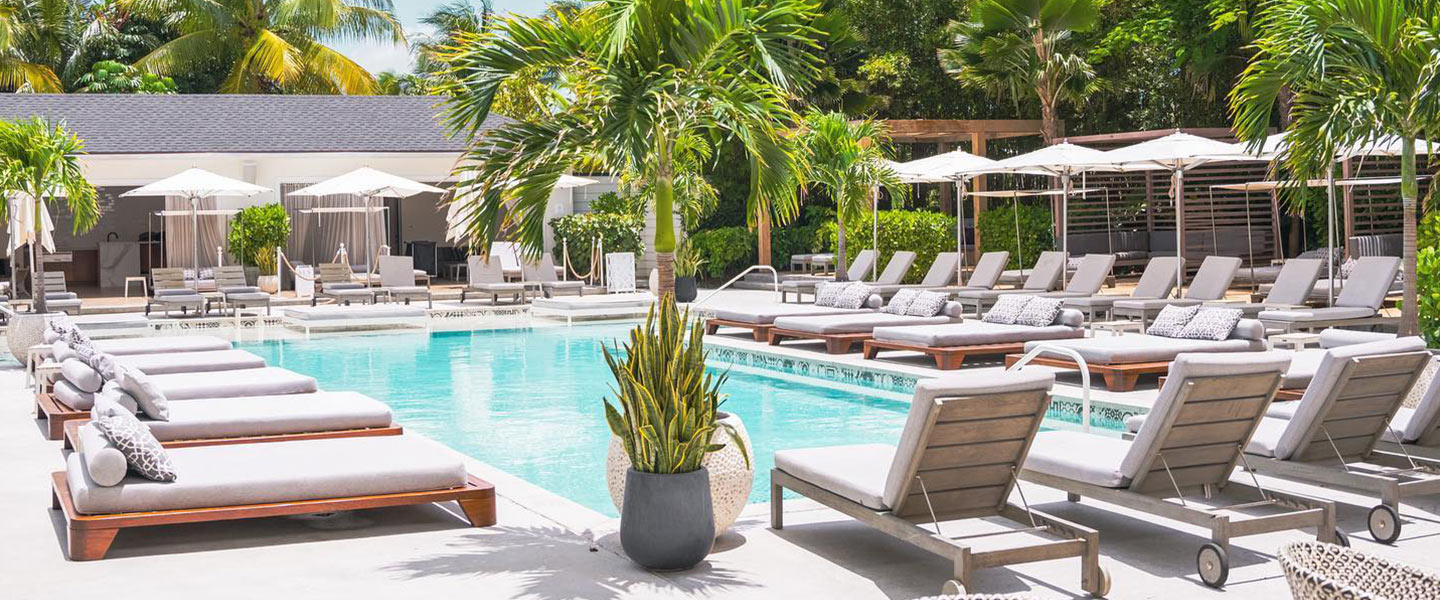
60, 296
346, 286
175, 292
239, 289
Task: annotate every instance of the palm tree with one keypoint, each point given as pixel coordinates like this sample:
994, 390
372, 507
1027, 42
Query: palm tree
271, 45
34, 36
641, 75
847, 159
1012, 48
38, 162
449, 21
1361, 71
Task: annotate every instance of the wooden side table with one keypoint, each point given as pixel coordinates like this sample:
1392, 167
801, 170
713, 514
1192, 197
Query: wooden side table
1118, 327
1295, 341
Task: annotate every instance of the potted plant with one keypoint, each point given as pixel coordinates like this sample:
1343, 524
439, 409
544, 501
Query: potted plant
667, 414
254, 235
687, 264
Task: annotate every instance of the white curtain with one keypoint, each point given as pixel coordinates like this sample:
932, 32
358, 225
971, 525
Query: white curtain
315, 237
180, 233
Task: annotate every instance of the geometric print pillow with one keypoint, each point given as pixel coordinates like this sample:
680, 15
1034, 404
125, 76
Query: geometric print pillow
901, 301
828, 292
1214, 324
1040, 312
1172, 320
854, 296
1007, 309
927, 304
143, 453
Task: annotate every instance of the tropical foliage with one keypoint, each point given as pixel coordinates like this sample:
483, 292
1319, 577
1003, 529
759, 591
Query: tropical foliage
846, 160
111, 77
924, 233
255, 232
1428, 270
998, 227
576, 234
31, 43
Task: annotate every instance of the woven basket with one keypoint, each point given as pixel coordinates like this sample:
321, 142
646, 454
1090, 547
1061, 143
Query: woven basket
1328, 572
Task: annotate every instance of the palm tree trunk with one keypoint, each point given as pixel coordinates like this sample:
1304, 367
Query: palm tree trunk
1409, 193
1049, 122
840, 261
762, 236
37, 270
665, 229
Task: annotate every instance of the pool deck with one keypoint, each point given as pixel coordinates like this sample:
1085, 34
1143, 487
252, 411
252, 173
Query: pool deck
542, 547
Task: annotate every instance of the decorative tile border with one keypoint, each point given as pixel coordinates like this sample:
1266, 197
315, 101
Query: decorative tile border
1102, 415
882, 380
457, 313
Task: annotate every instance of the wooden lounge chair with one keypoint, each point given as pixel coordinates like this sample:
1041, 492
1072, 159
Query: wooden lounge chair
1291, 288
397, 281
1211, 282
169, 290
1043, 278
280, 478
841, 332
337, 282
235, 293
57, 296
957, 459
541, 276
487, 278
1305, 363
805, 284
950, 344
1332, 435
1189, 446
1158, 281
760, 320
192, 362
1359, 303
941, 274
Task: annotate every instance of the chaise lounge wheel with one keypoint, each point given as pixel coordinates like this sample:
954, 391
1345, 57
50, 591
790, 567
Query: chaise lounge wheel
1384, 524
952, 588
1103, 588
1342, 539
1213, 565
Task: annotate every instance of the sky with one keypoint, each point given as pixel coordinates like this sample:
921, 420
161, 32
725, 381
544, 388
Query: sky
383, 57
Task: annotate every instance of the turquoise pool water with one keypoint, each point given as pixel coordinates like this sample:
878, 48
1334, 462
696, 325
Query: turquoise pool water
529, 401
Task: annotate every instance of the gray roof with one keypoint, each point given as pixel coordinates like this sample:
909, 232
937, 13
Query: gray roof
179, 124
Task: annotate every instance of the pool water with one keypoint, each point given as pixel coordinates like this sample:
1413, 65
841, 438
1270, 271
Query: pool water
529, 401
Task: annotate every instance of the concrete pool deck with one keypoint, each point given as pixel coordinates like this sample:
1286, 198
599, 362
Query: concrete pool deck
542, 547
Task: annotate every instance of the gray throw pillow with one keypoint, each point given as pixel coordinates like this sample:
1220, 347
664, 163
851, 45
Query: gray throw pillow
146, 393
81, 375
106, 366
1172, 320
854, 296
61, 352
900, 301
1214, 324
827, 293
113, 395
143, 453
927, 304
1040, 312
1007, 309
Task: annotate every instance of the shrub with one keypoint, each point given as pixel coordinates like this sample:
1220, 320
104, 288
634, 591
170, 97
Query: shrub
615, 204
794, 239
924, 233
618, 232
723, 250
997, 232
255, 233
1427, 279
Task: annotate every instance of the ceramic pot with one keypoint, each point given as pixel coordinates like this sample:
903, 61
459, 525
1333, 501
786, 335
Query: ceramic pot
26, 330
730, 475
685, 289
667, 524
269, 284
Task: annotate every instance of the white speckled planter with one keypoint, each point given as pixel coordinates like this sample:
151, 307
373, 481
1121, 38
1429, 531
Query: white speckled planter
26, 330
730, 478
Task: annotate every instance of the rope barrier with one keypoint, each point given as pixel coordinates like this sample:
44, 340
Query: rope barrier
569, 265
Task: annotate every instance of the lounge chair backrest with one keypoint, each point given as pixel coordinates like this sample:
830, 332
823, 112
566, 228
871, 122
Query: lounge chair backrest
988, 270
620, 272
1090, 276
332, 273
55, 282
1209, 407
542, 270
229, 276
168, 278
1334, 337
479, 270
1214, 277
509, 256
1369, 282
964, 438
1295, 281
942, 271
1046, 272
1158, 280
895, 270
1424, 426
862, 264
1350, 401
397, 271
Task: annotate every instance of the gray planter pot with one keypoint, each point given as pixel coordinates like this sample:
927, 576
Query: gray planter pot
685, 289
667, 523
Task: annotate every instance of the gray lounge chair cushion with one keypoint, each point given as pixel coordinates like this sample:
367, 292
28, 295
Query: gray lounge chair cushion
1214, 278
562, 285
335, 313
192, 362
1333, 313
81, 375
212, 418
245, 474
1424, 416
244, 297
497, 288
854, 472
1369, 283
1267, 437
852, 323
1296, 279
1121, 349
976, 333
1079, 457
765, 315
265, 381
1303, 365
190, 299
1152, 304
1095, 301
162, 345
1336, 337
104, 463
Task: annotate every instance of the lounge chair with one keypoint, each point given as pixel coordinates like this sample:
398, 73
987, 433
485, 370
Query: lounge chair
841, 332
986, 273
1417, 430
1122, 359
192, 362
374, 316
805, 284
238, 481
1211, 282
57, 296
1358, 304
759, 320
170, 291
1291, 288
487, 278
956, 460
1088, 278
1267, 274
1305, 363
940, 275
337, 283
509, 258
1332, 434
1157, 281
166, 344
541, 276
1043, 278
950, 344
213, 421
1189, 446
235, 293
397, 281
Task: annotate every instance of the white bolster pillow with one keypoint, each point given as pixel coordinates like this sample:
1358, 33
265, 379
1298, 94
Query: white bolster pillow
104, 463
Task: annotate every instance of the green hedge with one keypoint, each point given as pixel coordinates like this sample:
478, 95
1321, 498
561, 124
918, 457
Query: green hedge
997, 232
621, 233
725, 250
1427, 282
924, 233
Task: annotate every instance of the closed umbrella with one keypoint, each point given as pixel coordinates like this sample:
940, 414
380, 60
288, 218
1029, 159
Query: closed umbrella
367, 183
24, 214
194, 184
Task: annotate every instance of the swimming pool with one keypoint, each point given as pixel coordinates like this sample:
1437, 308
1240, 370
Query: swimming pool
529, 401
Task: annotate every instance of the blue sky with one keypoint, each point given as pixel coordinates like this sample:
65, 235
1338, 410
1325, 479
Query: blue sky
383, 57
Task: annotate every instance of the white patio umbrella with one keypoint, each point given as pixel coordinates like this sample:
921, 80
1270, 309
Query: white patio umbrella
195, 184
367, 183
24, 212
958, 167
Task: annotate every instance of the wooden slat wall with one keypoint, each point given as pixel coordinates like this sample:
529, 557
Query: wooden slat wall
1376, 209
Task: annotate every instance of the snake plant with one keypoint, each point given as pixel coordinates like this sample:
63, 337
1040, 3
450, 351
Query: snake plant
668, 403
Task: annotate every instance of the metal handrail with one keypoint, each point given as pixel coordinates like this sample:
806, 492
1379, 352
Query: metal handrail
1084, 376
773, 274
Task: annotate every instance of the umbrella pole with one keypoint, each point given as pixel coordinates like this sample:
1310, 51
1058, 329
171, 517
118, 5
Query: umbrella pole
1179, 180
1330, 230
960, 230
875, 232
369, 262
195, 230
1065, 226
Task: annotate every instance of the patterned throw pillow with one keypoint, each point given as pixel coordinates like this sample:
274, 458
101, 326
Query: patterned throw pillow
1214, 324
1347, 267
143, 453
900, 302
1007, 309
1039, 312
927, 304
1172, 320
827, 293
854, 296
147, 394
